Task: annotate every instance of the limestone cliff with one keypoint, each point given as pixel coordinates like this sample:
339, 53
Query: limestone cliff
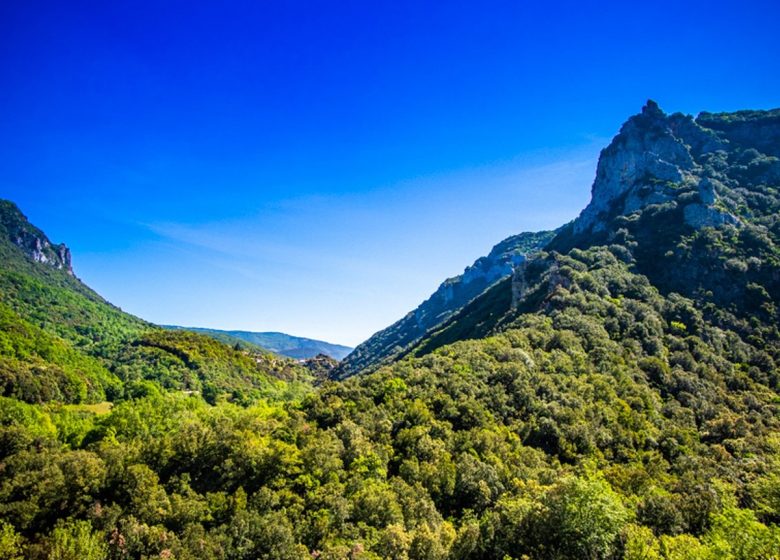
670, 191
650, 161
32, 241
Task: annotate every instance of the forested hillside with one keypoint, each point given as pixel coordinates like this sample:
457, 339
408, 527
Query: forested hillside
615, 396
62, 342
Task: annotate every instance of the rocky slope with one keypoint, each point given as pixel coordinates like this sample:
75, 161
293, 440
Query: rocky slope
32, 241
652, 158
615, 397
452, 295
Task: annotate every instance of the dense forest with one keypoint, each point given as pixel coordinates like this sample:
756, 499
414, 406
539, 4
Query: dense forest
617, 396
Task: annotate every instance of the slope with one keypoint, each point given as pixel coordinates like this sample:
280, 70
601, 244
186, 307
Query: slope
61, 341
592, 405
695, 210
451, 296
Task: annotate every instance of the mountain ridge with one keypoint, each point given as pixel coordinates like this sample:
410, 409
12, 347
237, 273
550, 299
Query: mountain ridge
60, 341
296, 347
449, 297
615, 397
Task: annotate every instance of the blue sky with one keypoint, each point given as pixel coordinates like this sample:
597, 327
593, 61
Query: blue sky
319, 167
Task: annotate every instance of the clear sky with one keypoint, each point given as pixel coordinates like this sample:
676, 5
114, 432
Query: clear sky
318, 168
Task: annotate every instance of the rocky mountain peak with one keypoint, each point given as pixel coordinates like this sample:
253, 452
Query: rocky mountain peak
32, 241
653, 158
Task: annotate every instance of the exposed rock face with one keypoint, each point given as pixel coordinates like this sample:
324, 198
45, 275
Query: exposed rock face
40, 250
32, 241
451, 296
648, 162
519, 284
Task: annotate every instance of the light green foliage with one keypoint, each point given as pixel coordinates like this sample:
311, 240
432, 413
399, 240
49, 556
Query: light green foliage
580, 518
61, 342
737, 534
75, 540
37, 366
685, 547
588, 431
10, 543
640, 544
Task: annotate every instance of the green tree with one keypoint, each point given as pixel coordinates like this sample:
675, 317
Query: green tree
75, 540
580, 518
10, 542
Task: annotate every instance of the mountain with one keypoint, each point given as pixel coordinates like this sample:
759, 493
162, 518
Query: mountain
295, 347
638, 352
62, 342
615, 396
451, 296
690, 203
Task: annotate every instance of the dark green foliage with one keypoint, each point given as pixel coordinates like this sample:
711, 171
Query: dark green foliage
758, 129
320, 366
475, 320
548, 439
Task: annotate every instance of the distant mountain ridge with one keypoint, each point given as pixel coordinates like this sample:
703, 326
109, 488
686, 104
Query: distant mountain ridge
296, 347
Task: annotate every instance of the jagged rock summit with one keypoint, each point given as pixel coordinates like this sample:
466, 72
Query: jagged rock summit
654, 156
32, 241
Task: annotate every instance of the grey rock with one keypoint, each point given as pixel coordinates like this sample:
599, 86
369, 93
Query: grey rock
32, 241
652, 156
698, 216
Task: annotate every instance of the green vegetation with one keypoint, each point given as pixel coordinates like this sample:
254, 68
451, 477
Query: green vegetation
596, 429
185, 361
36, 366
62, 342
566, 436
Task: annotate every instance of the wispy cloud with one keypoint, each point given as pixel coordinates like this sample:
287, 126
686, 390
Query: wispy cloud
528, 194
342, 266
